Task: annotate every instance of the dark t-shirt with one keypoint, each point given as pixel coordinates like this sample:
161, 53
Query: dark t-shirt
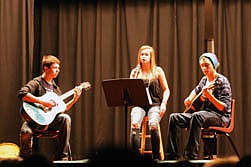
38, 87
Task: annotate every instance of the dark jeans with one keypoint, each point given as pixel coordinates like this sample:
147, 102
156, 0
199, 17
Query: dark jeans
62, 123
193, 122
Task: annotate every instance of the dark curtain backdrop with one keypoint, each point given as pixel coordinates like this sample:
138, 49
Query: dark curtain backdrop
98, 40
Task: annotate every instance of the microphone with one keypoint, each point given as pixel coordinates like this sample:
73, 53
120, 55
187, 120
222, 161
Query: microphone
137, 69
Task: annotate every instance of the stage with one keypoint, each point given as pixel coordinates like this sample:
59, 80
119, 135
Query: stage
164, 163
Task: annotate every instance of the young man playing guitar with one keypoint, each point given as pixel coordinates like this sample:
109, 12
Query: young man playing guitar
214, 95
31, 93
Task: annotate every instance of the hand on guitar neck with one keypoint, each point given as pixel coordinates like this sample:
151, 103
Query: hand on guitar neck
192, 104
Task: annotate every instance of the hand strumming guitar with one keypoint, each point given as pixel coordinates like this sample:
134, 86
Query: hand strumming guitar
206, 92
46, 105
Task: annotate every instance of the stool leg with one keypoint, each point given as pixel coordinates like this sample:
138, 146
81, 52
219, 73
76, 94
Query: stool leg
35, 145
161, 149
143, 137
210, 145
69, 152
233, 145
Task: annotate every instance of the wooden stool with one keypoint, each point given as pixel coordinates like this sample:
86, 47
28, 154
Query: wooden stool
144, 136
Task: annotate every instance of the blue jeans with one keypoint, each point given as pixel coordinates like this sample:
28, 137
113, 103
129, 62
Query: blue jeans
137, 116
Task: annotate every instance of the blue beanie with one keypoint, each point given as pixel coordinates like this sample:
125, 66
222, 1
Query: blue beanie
212, 57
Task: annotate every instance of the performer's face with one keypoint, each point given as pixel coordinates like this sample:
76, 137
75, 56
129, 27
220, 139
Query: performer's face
53, 70
206, 66
145, 56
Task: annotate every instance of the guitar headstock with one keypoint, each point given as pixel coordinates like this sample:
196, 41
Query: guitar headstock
85, 85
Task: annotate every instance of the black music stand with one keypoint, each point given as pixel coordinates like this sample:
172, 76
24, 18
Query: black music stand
125, 92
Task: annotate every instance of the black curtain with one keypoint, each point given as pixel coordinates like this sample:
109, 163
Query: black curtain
98, 40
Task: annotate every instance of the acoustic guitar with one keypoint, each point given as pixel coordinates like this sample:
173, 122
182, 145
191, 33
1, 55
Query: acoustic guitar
42, 117
196, 102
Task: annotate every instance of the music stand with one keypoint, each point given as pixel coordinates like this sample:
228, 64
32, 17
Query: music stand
125, 92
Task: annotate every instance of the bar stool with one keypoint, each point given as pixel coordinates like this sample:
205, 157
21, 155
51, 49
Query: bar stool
144, 135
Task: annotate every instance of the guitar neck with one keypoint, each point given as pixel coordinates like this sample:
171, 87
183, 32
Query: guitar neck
188, 107
84, 85
67, 94
198, 95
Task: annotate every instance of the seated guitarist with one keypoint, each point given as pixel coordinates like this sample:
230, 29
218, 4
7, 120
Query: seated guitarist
214, 92
31, 92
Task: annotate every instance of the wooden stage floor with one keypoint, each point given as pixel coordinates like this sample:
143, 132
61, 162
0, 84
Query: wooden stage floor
164, 163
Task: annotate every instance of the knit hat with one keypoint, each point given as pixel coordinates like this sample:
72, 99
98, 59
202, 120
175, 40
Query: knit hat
212, 57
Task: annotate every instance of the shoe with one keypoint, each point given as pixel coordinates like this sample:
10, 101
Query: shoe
61, 158
209, 157
190, 157
172, 157
156, 160
65, 159
156, 157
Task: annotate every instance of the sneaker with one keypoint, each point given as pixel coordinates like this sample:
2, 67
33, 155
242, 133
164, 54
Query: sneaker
190, 157
65, 159
172, 157
61, 158
156, 157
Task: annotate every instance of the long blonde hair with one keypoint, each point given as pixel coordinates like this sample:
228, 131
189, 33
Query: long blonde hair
152, 59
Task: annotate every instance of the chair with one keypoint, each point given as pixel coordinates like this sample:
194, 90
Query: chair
48, 134
212, 132
144, 136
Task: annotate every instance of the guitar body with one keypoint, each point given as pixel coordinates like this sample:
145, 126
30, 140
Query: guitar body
40, 118
198, 101
197, 105
35, 114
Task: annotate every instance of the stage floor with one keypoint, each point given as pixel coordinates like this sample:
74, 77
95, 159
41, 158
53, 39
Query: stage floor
164, 163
